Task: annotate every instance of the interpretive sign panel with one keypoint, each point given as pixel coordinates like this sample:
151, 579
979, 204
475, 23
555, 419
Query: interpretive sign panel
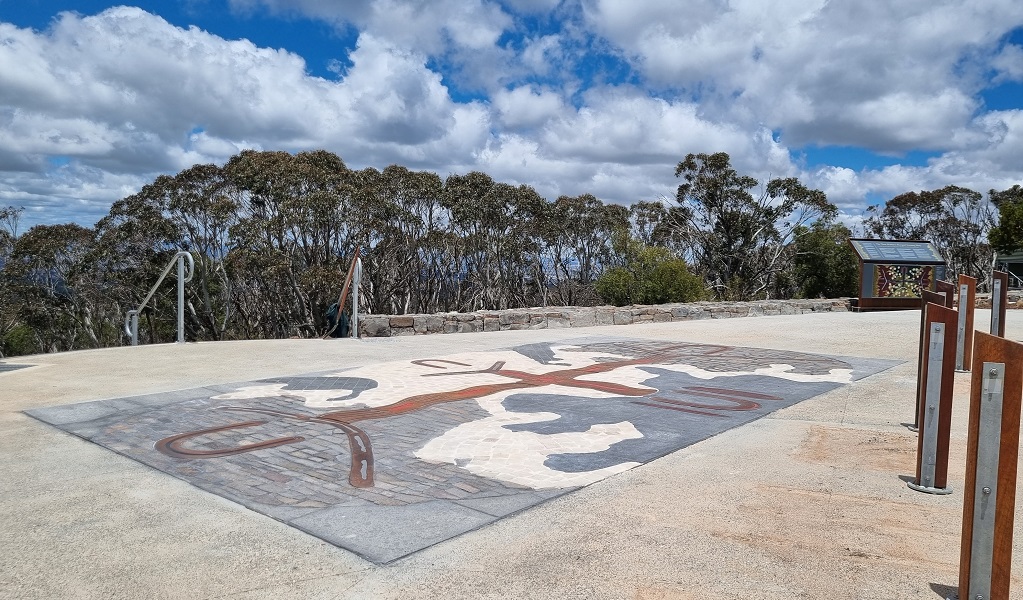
936, 379
909, 251
992, 448
895, 273
999, 300
964, 333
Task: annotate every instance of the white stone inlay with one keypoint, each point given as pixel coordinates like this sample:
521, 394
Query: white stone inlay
486, 446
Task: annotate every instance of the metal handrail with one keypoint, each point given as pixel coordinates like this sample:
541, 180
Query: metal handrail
356, 283
131, 320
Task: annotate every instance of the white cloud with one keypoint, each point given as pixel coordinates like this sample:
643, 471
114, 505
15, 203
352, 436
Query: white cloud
128, 93
531, 6
70, 193
540, 53
526, 107
94, 107
888, 75
1009, 64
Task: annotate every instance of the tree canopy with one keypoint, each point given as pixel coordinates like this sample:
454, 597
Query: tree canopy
273, 234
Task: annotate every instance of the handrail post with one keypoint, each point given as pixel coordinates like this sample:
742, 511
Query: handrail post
131, 321
357, 280
181, 298
131, 326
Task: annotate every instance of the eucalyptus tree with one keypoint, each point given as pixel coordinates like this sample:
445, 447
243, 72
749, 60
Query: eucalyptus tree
955, 219
52, 277
293, 240
648, 219
1007, 236
495, 225
9, 217
203, 206
824, 264
134, 242
194, 211
578, 233
404, 269
738, 239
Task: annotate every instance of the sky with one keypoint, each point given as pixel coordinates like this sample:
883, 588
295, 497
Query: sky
863, 99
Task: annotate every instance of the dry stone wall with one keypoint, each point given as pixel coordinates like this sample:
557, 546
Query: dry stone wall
577, 316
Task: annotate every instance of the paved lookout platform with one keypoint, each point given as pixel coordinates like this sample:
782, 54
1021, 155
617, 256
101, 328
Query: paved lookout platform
743, 458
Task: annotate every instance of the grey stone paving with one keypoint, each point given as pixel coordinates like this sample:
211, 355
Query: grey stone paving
414, 503
4, 367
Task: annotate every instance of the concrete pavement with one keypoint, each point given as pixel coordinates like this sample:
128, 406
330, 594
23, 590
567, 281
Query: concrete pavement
807, 502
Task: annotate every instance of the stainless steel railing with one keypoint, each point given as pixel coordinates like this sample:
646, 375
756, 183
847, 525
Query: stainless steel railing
131, 320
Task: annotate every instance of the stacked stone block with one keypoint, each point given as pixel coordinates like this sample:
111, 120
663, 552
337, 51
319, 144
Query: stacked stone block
584, 316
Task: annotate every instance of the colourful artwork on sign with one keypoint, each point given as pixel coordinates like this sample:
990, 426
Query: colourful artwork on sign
902, 281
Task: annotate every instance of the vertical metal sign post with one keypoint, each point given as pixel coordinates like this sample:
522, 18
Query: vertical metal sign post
927, 297
999, 298
992, 449
181, 298
935, 418
964, 329
356, 281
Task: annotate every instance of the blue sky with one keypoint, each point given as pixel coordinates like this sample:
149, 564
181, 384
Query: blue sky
863, 100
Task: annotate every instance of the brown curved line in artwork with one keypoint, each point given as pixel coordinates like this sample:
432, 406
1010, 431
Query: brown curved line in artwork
678, 408
425, 363
741, 400
171, 446
726, 392
360, 471
741, 404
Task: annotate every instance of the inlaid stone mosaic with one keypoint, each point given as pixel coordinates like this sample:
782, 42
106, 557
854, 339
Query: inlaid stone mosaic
390, 458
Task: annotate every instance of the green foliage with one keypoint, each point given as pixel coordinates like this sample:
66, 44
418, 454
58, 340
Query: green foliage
1007, 236
19, 340
616, 286
652, 275
736, 238
956, 220
273, 234
825, 264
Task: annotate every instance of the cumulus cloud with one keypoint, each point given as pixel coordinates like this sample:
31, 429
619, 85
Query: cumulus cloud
1009, 64
427, 25
526, 107
604, 97
888, 76
128, 93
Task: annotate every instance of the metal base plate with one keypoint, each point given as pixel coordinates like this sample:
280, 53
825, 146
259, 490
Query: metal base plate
929, 490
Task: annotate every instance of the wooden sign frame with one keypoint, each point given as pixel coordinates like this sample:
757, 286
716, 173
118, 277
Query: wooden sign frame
967, 295
992, 452
999, 300
934, 408
948, 290
928, 297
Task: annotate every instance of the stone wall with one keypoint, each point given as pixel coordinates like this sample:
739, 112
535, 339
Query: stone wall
576, 316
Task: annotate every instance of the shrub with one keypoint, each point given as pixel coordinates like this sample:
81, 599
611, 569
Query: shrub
651, 276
